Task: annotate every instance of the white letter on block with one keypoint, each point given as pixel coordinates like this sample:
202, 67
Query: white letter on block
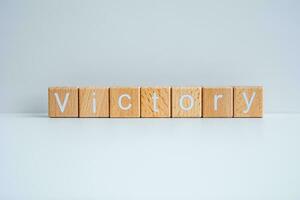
191, 102
120, 102
62, 106
94, 102
248, 103
155, 98
216, 98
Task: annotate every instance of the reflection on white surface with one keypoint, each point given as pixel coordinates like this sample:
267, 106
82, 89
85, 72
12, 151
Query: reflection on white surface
43, 158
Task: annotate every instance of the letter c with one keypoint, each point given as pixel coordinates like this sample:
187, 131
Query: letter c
120, 102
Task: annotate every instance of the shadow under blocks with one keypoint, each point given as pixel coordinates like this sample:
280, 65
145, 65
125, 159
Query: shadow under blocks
156, 102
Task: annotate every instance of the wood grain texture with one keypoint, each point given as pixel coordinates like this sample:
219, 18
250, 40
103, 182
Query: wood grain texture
179, 99
163, 100
57, 96
134, 102
244, 107
94, 102
224, 104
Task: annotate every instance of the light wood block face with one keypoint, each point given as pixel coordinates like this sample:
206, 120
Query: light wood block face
63, 102
186, 102
156, 102
125, 102
248, 101
217, 102
93, 102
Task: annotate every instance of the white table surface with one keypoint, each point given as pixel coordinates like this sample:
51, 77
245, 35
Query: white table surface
43, 158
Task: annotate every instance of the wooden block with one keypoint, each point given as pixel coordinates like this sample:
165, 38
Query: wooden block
125, 102
93, 102
248, 101
63, 102
217, 102
186, 102
156, 102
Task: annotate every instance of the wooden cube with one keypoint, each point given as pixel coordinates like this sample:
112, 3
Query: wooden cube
217, 102
248, 101
125, 102
156, 102
186, 102
63, 102
93, 102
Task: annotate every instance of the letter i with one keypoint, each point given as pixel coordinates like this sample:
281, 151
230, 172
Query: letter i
94, 102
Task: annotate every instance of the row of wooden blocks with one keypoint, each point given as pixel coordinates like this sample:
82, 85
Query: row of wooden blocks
151, 102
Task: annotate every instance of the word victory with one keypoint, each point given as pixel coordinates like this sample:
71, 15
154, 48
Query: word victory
156, 102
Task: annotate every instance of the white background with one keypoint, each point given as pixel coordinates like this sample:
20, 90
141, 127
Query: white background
137, 159
160, 42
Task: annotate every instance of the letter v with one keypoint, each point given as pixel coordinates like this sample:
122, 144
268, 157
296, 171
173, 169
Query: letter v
63, 106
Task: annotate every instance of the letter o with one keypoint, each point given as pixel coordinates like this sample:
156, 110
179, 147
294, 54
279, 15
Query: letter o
191, 102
